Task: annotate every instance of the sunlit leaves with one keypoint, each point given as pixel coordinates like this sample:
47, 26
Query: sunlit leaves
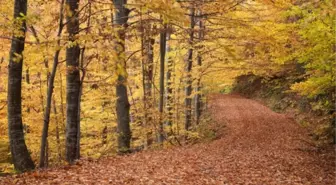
317, 50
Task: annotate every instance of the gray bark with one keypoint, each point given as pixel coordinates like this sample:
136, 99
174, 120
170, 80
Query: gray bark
20, 155
188, 68
148, 43
162, 72
122, 105
169, 89
198, 95
147, 70
73, 83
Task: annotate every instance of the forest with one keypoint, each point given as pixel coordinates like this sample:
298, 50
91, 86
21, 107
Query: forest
167, 91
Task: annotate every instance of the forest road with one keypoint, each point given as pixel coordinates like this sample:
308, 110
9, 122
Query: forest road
258, 146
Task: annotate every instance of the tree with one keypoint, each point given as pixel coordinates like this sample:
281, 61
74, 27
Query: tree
73, 82
163, 40
20, 155
198, 102
122, 104
147, 65
188, 68
169, 89
52, 76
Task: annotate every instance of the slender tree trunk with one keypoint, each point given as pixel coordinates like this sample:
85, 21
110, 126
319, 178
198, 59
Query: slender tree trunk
28, 82
169, 89
147, 43
188, 68
50, 90
73, 83
20, 155
122, 105
62, 100
144, 89
148, 66
198, 102
162, 72
80, 99
27, 76
41, 93
82, 58
58, 141
148, 61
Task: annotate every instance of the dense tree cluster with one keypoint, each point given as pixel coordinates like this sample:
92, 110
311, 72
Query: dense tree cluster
98, 77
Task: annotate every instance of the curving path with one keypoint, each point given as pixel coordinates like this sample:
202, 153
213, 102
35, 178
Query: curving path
258, 146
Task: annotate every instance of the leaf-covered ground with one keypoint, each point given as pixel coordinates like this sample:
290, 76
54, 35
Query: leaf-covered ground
258, 146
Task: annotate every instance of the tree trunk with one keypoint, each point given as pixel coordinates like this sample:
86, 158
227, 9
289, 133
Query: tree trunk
73, 83
148, 57
27, 76
198, 102
41, 93
122, 105
188, 67
162, 72
169, 89
50, 90
82, 58
20, 155
58, 141
147, 54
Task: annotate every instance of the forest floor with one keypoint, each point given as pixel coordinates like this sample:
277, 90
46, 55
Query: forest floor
257, 146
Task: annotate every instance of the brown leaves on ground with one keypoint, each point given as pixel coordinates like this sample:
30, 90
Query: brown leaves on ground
258, 147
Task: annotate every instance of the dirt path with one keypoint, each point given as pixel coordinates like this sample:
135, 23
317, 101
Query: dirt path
258, 147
